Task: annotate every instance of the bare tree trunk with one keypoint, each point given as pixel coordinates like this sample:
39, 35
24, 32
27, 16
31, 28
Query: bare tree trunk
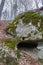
42, 2
15, 7
36, 3
1, 7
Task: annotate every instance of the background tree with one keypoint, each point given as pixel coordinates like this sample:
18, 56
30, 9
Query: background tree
10, 8
1, 7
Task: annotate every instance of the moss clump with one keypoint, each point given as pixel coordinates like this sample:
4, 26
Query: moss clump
25, 17
16, 63
11, 43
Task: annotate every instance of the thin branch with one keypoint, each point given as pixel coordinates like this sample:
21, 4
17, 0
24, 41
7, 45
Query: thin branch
35, 10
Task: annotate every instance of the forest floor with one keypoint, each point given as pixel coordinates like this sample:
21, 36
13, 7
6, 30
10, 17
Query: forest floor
27, 59
3, 25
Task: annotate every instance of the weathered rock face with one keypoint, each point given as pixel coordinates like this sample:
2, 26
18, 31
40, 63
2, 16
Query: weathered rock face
28, 26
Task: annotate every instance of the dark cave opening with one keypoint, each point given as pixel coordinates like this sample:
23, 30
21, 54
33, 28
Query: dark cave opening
27, 44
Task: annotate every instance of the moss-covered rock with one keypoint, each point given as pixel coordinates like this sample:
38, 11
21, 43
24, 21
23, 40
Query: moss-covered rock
27, 25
